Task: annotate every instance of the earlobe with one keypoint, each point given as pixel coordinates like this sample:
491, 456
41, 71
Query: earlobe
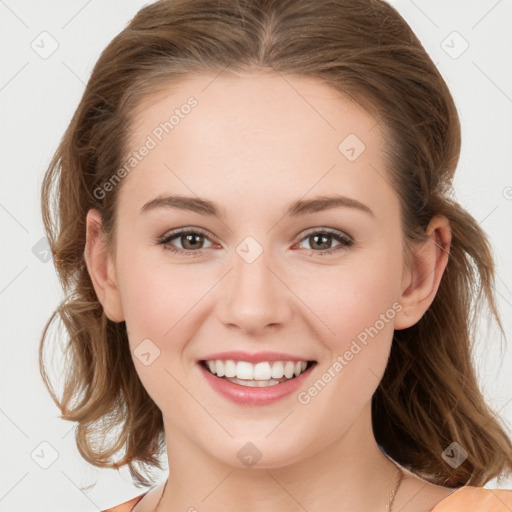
422, 280
101, 268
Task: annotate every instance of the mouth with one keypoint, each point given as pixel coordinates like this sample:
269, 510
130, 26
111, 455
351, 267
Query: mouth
256, 375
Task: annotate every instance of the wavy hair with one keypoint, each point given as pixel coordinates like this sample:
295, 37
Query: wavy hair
429, 396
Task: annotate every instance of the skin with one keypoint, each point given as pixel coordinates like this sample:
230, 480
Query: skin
253, 145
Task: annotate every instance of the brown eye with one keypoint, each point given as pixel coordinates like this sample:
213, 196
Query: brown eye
322, 241
191, 242
185, 241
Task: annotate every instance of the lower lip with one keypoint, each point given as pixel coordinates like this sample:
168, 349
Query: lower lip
245, 395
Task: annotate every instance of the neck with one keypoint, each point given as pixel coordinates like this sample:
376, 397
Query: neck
351, 473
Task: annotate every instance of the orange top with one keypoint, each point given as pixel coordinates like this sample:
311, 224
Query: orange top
127, 506
476, 499
463, 499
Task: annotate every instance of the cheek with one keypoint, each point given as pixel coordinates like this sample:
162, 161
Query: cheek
157, 297
357, 300
357, 304
160, 301
354, 295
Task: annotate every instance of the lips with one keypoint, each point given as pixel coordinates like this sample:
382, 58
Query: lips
255, 379
239, 355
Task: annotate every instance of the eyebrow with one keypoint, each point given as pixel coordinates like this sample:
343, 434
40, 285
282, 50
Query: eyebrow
295, 209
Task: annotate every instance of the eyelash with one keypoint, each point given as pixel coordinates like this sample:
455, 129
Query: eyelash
345, 241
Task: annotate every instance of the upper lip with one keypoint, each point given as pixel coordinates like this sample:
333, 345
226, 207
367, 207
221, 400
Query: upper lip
257, 357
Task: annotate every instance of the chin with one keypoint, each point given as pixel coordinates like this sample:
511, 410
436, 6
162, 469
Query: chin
260, 453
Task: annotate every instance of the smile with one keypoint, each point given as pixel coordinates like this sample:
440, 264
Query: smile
261, 374
266, 378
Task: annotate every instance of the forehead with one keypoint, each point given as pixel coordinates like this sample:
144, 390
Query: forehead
258, 102
246, 133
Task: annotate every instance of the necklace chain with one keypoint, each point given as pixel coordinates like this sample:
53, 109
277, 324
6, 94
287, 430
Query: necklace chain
389, 505
393, 492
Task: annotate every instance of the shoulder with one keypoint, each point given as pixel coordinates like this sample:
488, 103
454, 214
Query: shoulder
127, 506
476, 499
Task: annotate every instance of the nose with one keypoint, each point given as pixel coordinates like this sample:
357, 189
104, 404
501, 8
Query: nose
255, 298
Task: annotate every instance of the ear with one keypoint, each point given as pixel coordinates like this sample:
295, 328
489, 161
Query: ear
423, 276
101, 267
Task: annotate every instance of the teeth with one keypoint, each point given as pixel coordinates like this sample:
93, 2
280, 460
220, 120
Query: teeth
262, 371
277, 370
268, 373
254, 383
220, 368
244, 370
289, 368
229, 368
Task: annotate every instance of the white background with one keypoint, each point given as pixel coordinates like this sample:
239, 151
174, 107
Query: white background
37, 99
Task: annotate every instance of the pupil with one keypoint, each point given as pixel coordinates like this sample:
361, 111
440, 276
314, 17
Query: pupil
325, 237
188, 237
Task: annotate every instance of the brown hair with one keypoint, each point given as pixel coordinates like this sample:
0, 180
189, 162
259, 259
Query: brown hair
429, 396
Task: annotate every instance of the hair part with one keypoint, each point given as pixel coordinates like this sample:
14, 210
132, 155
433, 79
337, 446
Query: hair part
429, 395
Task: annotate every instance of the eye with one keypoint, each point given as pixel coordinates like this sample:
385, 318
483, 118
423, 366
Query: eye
320, 241
189, 240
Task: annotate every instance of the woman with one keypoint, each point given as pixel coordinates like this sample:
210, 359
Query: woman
268, 278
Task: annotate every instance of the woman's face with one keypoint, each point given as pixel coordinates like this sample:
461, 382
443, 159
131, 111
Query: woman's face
273, 174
